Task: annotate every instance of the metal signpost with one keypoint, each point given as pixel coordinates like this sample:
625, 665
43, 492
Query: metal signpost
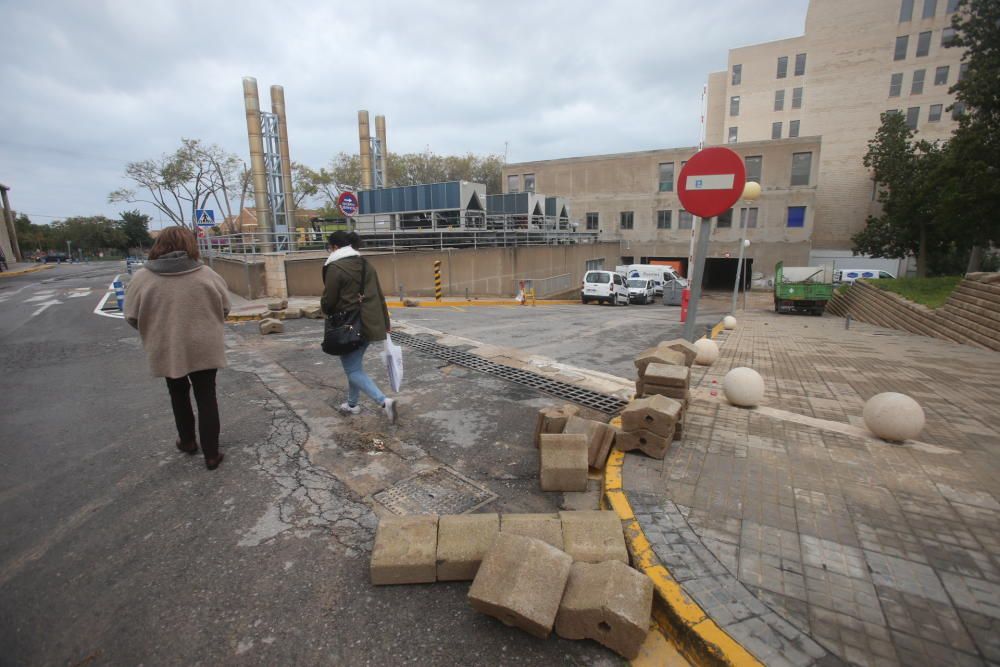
204, 217
709, 184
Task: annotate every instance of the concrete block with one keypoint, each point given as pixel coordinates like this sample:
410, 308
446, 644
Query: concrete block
655, 413
544, 527
649, 443
270, 325
313, 312
293, 313
463, 540
563, 464
656, 355
405, 550
600, 437
676, 393
521, 582
593, 537
667, 375
608, 602
553, 419
277, 305
680, 345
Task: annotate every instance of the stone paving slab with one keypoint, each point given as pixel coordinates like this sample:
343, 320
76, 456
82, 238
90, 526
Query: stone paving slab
808, 540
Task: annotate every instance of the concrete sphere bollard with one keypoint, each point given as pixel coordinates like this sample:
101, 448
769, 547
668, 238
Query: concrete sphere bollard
893, 416
729, 322
743, 387
707, 351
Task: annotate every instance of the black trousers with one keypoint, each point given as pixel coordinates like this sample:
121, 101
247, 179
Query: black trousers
208, 409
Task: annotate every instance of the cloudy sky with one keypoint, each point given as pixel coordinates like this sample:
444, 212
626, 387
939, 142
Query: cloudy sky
89, 85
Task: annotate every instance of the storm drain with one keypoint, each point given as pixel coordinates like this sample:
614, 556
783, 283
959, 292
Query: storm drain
436, 491
586, 397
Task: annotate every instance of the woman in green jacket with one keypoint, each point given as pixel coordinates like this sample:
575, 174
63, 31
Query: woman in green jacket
342, 276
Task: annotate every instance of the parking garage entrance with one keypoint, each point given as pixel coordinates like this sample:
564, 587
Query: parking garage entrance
720, 273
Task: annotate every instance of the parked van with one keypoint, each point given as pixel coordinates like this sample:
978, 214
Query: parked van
850, 275
641, 290
604, 286
655, 272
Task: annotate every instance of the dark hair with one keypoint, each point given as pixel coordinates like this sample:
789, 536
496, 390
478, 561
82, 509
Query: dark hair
173, 239
342, 239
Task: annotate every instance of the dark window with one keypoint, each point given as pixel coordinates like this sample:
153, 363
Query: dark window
793, 128
779, 100
734, 105
797, 98
917, 87
796, 216
529, 182
952, 7
776, 130
801, 166
748, 218
800, 64
957, 111
684, 220
923, 44
912, 117
941, 75
905, 11
627, 220
666, 177
782, 67
892, 112
934, 114
592, 221
930, 7
963, 69
664, 219
895, 84
754, 164
947, 36
733, 132
724, 220
901, 44
737, 74
513, 183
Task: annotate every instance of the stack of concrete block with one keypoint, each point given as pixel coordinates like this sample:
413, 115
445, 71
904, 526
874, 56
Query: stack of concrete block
600, 437
665, 370
270, 325
649, 425
553, 420
563, 461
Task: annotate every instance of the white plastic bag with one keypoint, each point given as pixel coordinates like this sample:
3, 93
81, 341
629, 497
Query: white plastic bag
393, 357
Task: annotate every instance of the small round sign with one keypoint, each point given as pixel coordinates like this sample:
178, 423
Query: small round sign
711, 182
348, 203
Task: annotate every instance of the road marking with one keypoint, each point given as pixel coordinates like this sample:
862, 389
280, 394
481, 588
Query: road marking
78, 292
41, 296
51, 302
99, 310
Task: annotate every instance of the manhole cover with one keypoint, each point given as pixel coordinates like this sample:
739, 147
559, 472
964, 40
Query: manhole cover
437, 491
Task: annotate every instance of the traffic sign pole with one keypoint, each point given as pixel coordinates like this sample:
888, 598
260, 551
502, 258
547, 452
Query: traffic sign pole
704, 231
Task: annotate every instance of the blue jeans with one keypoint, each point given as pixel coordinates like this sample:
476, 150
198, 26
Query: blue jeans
357, 380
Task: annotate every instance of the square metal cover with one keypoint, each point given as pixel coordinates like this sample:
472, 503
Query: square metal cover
436, 491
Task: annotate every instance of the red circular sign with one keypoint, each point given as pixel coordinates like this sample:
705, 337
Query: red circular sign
711, 182
348, 203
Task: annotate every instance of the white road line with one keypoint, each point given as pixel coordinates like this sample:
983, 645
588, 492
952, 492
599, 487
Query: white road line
42, 307
100, 306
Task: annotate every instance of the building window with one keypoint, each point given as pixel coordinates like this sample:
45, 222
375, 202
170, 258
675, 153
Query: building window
963, 69
891, 112
895, 84
782, 67
684, 220
664, 219
627, 220
529, 182
930, 7
724, 220
796, 216
793, 128
595, 264
733, 132
754, 165
797, 98
734, 105
779, 100
776, 130
906, 11
912, 117
934, 114
901, 44
947, 36
592, 221
917, 87
666, 177
801, 166
952, 7
923, 44
800, 64
957, 111
513, 183
737, 74
748, 218
941, 76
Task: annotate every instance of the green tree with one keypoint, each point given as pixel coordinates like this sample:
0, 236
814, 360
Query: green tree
135, 228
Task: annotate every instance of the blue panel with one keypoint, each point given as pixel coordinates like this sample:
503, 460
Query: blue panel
453, 192
796, 216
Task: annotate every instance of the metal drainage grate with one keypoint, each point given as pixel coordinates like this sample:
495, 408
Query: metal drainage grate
436, 491
586, 397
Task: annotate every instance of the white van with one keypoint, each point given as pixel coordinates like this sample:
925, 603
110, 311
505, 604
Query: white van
850, 275
659, 274
641, 290
602, 286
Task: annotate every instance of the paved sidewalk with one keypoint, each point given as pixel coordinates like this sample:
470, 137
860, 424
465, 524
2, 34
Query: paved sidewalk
808, 540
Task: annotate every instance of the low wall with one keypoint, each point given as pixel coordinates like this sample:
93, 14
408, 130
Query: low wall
243, 278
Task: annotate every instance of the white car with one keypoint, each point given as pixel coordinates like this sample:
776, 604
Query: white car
641, 291
604, 286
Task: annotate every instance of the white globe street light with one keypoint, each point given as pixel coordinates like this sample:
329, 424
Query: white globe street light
751, 191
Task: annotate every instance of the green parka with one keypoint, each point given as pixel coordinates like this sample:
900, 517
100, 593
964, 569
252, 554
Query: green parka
341, 280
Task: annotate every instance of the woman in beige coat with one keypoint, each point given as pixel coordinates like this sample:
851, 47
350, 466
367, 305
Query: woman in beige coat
179, 306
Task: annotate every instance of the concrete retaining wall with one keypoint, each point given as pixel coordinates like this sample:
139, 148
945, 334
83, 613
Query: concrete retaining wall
243, 278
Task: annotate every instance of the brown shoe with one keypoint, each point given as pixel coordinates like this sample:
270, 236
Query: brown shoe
187, 447
213, 463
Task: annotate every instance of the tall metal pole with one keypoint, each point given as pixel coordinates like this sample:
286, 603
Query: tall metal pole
751, 191
251, 101
704, 231
278, 108
8, 220
739, 269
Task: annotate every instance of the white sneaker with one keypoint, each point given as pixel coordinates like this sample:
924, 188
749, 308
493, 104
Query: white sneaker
390, 409
349, 409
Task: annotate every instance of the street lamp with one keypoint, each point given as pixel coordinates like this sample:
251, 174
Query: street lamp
751, 191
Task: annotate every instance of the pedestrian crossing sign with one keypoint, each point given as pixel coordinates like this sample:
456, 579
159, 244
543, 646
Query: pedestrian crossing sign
204, 217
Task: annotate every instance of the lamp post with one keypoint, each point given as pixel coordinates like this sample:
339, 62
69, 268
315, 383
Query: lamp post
751, 191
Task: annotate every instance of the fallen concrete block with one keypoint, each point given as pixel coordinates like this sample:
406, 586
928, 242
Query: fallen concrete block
658, 355
676, 393
593, 537
553, 419
600, 437
563, 462
405, 550
667, 375
680, 345
608, 602
277, 305
292, 313
269, 325
463, 540
521, 582
544, 527
313, 312
654, 413
649, 443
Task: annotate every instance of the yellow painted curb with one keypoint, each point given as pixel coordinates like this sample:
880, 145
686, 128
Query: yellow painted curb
699, 638
716, 330
22, 272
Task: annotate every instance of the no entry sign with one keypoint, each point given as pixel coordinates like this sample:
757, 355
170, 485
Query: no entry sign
711, 182
348, 203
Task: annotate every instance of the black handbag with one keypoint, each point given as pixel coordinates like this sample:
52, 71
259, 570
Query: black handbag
342, 330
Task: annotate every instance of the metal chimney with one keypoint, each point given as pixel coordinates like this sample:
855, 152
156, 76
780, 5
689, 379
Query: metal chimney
278, 108
383, 150
365, 139
259, 174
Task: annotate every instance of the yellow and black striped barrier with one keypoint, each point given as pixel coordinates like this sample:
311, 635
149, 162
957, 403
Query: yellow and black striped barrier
437, 280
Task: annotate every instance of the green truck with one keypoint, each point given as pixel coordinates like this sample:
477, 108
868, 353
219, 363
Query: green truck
802, 288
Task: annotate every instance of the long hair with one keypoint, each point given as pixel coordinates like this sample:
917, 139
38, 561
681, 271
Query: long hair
342, 239
173, 239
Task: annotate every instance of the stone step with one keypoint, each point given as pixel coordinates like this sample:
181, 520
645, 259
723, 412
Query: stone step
986, 318
978, 334
971, 299
901, 314
987, 291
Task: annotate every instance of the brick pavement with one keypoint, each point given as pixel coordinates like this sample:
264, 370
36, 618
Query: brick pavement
811, 542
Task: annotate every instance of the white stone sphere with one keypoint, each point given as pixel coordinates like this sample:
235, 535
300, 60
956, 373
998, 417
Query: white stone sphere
729, 322
707, 350
743, 387
893, 416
